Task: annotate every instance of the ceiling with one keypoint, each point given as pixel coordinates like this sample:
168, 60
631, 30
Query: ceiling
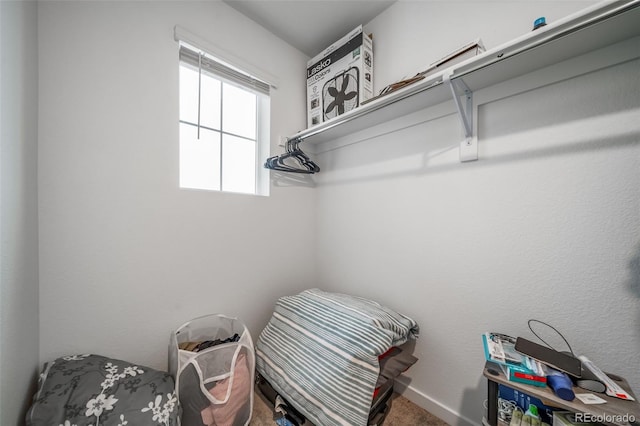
310, 25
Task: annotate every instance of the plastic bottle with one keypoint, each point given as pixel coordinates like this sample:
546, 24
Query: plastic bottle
516, 418
561, 384
532, 415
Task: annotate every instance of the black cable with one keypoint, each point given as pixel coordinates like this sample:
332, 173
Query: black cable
554, 329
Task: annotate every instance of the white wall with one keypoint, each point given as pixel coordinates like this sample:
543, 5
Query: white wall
410, 35
125, 255
546, 224
549, 213
18, 210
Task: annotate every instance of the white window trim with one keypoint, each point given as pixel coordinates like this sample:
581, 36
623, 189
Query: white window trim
195, 43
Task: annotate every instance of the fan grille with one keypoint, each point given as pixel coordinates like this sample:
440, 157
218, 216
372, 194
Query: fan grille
340, 94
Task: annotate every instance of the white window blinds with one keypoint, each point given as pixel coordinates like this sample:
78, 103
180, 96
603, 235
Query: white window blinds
205, 63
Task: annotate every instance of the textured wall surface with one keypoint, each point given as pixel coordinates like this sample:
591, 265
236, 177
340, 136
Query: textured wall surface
18, 208
126, 256
546, 224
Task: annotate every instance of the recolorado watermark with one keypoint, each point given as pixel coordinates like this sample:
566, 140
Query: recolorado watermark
604, 418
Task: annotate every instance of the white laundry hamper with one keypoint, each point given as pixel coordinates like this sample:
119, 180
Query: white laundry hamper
213, 362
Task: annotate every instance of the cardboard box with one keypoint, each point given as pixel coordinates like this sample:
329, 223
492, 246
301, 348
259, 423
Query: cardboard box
340, 78
467, 51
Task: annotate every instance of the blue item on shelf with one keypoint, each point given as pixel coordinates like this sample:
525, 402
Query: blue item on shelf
540, 22
561, 384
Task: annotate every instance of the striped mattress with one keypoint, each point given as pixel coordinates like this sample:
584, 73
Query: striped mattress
320, 352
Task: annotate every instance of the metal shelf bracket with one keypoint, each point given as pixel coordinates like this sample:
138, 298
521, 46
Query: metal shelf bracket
466, 111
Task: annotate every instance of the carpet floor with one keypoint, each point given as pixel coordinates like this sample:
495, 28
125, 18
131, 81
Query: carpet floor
402, 413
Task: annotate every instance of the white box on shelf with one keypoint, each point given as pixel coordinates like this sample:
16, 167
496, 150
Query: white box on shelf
340, 78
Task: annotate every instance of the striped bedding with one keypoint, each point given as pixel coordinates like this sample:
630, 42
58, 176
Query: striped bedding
320, 352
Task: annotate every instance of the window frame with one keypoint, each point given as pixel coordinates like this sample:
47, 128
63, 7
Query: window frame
226, 74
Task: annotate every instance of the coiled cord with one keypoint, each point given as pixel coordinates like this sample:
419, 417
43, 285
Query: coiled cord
506, 409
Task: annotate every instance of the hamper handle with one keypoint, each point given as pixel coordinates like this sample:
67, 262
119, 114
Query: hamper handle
231, 376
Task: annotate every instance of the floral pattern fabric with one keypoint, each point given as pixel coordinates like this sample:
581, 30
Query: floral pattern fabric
92, 390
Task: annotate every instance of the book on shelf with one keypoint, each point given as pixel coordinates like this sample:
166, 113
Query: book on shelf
500, 349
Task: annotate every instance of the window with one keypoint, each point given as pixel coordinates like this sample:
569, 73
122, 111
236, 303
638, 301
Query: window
224, 126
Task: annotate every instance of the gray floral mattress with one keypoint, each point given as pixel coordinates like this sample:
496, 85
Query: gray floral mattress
92, 390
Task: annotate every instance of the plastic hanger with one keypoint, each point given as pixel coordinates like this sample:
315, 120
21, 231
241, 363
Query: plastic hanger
294, 160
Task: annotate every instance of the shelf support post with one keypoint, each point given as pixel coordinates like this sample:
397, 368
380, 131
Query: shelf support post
469, 146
